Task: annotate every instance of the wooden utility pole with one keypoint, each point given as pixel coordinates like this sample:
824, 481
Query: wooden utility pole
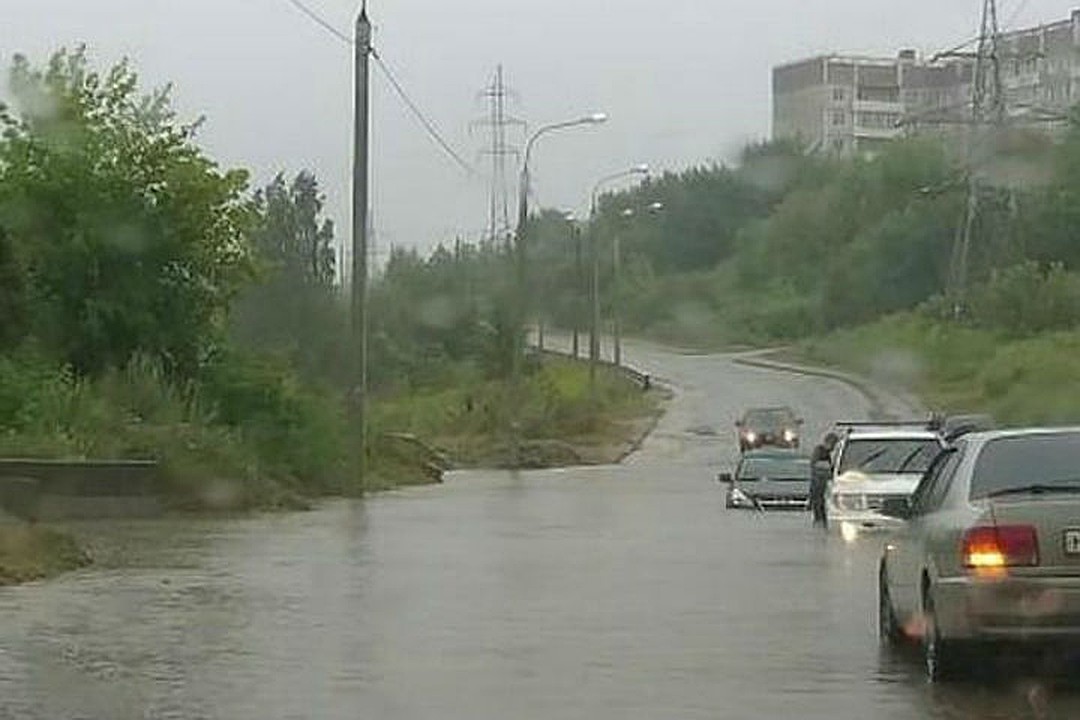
358, 306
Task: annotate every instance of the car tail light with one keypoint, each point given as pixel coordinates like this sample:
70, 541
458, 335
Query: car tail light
992, 547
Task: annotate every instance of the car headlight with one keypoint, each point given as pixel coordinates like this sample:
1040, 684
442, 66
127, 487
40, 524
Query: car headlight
738, 497
751, 436
849, 501
790, 436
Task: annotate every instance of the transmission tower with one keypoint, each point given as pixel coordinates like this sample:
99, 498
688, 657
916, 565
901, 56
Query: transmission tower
987, 114
499, 124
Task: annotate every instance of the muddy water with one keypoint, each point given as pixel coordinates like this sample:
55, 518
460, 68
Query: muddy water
622, 592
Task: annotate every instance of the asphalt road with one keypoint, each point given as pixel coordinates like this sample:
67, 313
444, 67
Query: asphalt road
616, 592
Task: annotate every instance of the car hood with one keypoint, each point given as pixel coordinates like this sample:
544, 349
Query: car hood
778, 488
857, 481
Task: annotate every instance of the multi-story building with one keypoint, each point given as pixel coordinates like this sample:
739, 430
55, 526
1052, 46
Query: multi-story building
846, 104
1040, 69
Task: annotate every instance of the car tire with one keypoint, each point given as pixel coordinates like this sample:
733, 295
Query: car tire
889, 630
943, 659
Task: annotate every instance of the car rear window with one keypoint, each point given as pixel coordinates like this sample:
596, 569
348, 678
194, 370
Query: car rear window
1013, 462
775, 469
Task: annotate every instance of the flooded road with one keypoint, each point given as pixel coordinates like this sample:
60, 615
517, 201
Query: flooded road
621, 592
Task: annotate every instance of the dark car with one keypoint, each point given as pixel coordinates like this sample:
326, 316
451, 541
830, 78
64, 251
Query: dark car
769, 479
769, 427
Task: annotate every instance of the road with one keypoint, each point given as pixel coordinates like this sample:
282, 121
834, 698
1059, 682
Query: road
616, 592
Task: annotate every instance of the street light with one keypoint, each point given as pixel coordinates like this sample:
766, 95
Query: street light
578, 279
594, 289
523, 217
519, 302
616, 264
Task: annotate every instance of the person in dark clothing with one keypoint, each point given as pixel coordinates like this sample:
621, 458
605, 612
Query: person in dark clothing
821, 461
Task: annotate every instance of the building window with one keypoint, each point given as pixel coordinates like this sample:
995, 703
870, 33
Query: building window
879, 94
839, 117
838, 94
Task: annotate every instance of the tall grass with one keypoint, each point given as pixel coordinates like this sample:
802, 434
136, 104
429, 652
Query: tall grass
1023, 381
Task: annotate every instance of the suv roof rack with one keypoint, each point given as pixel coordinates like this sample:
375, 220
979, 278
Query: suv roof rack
933, 422
956, 426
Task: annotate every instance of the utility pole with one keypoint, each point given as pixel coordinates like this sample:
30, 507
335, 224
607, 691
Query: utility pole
358, 306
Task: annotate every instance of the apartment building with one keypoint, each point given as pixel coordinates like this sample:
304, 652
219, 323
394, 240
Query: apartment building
846, 103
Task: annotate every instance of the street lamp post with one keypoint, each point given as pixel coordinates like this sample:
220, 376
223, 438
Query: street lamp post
522, 221
616, 290
578, 281
519, 302
594, 287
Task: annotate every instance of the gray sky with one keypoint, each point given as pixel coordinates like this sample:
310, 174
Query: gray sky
684, 81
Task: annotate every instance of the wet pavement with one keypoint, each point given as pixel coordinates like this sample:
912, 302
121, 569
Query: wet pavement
616, 592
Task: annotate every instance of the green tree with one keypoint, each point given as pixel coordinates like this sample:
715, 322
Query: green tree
132, 241
294, 308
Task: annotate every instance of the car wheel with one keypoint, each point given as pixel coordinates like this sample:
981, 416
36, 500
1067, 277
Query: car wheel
888, 628
942, 658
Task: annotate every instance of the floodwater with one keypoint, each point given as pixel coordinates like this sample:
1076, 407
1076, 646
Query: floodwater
617, 592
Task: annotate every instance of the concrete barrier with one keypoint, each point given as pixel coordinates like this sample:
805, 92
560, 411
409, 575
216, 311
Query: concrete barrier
34, 489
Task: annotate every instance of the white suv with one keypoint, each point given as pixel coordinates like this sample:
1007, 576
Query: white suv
874, 462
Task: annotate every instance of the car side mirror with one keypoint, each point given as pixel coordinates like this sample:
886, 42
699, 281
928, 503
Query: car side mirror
725, 478
897, 507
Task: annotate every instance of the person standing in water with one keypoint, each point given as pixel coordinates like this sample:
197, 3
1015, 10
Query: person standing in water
822, 470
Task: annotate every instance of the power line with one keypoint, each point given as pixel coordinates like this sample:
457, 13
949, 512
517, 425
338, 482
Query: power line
1016, 13
428, 125
321, 22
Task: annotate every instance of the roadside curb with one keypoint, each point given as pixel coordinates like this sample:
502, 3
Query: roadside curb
878, 398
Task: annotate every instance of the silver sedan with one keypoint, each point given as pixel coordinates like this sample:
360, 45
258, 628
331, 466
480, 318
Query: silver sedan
989, 552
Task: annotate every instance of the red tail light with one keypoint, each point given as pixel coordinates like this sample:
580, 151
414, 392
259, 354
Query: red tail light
1000, 546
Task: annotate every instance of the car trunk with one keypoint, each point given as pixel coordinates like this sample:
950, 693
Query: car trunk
1056, 521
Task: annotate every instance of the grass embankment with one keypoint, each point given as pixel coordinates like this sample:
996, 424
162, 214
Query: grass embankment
249, 435
35, 553
559, 420
1019, 381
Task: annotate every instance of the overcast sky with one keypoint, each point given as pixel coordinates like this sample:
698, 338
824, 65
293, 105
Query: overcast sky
684, 81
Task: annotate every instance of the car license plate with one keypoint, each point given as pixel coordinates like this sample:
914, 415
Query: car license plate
1072, 542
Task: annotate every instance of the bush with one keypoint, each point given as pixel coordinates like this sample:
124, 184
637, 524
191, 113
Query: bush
299, 434
1026, 299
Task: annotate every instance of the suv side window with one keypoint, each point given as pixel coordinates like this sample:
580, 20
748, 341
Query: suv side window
933, 493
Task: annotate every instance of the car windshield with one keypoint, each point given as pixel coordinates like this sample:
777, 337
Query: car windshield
889, 455
753, 469
1032, 460
777, 419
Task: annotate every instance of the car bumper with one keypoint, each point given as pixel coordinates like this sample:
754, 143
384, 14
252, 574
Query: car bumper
863, 519
769, 502
1028, 609
782, 503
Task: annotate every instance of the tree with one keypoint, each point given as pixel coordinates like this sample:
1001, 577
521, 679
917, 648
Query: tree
133, 242
293, 308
